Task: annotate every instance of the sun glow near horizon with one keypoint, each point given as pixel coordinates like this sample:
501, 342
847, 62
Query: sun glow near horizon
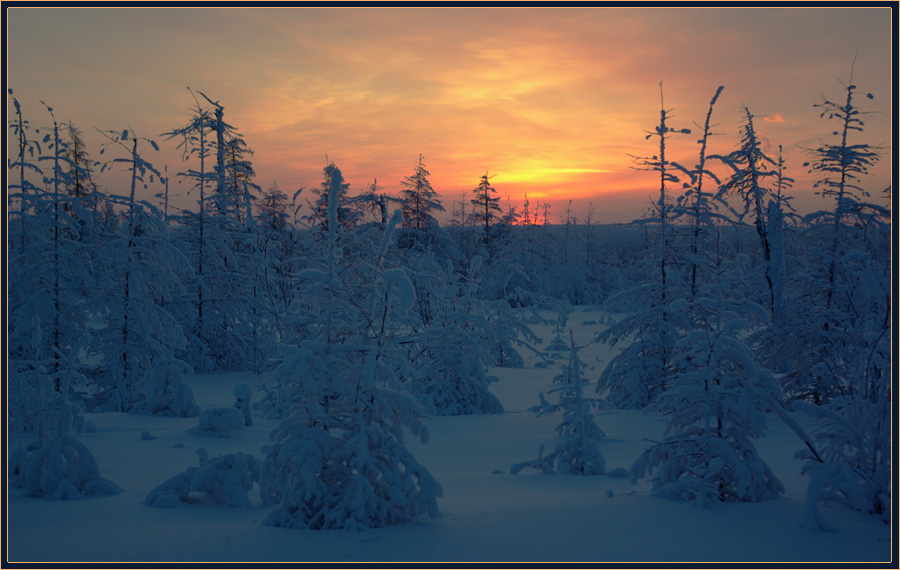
554, 101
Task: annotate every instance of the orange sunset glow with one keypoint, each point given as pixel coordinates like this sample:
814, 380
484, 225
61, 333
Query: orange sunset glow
553, 102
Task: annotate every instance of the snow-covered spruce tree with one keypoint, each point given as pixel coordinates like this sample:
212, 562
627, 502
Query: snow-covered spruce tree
753, 172
844, 331
338, 461
222, 318
452, 352
635, 376
419, 201
842, 166
319, 205
485, 206
277, 241
242, 334
49, 271
842, 293
715, 404
700, 206
196, 141
137, 346
578, 452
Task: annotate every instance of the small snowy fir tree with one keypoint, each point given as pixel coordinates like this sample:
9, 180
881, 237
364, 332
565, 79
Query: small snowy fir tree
715, 405
419, 200
578, 452
338, 461
451, 377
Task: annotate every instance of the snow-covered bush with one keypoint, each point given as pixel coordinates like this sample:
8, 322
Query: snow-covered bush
60, 466
221, 421
166, 393
224, 480
64, 469
854, 434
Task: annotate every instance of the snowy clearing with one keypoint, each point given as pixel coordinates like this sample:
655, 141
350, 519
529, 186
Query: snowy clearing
487, 515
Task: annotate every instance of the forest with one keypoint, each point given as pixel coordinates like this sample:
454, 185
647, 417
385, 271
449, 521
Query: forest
359, 314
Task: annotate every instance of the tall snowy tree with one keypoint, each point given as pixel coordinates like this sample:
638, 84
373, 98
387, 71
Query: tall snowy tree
419, 200
635, 376
49, 271
715, 404
485, 206
137, 347
842, 166
221, 320
196, 141
698, 204
753, 172
840, 369
338, 461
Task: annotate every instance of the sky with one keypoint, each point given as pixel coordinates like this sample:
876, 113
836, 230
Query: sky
554, 103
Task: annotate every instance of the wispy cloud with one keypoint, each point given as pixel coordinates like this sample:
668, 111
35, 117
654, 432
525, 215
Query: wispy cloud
554, 101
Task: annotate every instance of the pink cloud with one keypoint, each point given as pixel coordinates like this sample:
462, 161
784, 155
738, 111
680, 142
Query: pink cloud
773, 118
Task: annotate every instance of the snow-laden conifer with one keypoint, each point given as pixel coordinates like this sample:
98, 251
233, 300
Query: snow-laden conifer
753, 173
338, 460
138, 343
49, 274
485, 206
635, 376
715, 405
842, 372
452, 352
578, 451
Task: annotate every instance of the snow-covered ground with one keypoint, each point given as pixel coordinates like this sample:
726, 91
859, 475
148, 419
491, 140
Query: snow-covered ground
487, 515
